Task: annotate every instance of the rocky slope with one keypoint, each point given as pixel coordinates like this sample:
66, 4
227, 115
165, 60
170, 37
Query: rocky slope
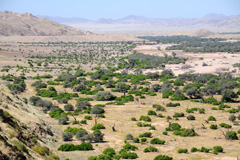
23, 134
14, 24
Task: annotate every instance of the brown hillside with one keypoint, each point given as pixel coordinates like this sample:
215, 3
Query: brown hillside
13, 24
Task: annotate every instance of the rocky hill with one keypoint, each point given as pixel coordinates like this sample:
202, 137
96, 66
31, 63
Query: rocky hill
23, 133
14, 24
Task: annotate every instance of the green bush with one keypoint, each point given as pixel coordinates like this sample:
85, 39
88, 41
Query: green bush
146, 134
157, 141
133, 119
151, 112
150, 149
182, 150
88, 117
129, 147
194, 149
213, 126
217, 149
128, 155
175, 126
167, 94
98, 126
73, 131
211, 118
224, 125
176, 115
71, 147
136, 140
203, 149
163, 157
185, 132
172, 104
159, 107
165, 133
109, 151
46, 93
145, 118
231, 135
191, 117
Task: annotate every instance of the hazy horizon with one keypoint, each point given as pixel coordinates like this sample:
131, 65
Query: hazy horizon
94, 10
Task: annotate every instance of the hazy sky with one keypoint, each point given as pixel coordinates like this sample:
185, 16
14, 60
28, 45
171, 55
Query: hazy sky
95, 9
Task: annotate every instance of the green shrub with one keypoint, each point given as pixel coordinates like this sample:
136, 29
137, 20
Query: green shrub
163, 157
191, 110
129, 147
98, 126
203, 149
185, 132
194, 149
224, 125
182, 150
151, 112
128, 155
176, 115
231, 135
191, 117
73, 131
173, 104
175, 126
165, 133
209, 100
71, 147
167, 94
213, 126
133, 119
201, 110
109, 151
46, 93
152, 128
217, 149
145, 118
88, 117
143, 140
160, 115
211, 118
146, 134
75, 122
157, 141
150, 149
136, 140
159, 107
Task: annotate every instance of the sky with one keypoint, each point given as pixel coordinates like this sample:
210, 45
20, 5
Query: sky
115, 9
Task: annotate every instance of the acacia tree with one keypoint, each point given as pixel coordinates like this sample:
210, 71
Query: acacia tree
122, 87
192, 92
209, 91
97, 110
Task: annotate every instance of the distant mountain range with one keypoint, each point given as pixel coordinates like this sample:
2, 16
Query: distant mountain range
214, 22
14, 24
